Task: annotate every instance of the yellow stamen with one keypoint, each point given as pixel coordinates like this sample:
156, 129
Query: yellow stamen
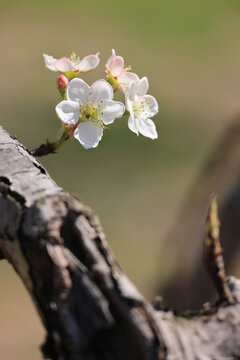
73, 57
89, 112
128, 68
141, 106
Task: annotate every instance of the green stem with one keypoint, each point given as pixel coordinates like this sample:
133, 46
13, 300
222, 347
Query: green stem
51, 147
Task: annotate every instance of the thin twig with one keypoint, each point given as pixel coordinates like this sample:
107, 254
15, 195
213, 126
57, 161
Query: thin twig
213, 257
51, 147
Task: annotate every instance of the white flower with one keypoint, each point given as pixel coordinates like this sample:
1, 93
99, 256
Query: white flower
141, 108
117, 75
88, 109
72, 64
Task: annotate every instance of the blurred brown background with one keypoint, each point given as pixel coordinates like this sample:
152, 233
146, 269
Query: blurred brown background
190, 52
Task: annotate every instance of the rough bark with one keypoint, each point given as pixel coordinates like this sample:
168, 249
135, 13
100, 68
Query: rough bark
88, 306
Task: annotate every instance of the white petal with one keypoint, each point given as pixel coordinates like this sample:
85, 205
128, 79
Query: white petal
132, 125
101, 90
64, 65
116, 66
131, 91
125, 79
128, 102
78, 90
129, 97
68, 111
88, 134
88, 63
49, 62
151, 105
110, 110
147, 128
129, 107
142, 86
110, 59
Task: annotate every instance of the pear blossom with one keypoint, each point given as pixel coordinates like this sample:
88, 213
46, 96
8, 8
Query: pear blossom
73, 64
118, 76
141, 107
87, 109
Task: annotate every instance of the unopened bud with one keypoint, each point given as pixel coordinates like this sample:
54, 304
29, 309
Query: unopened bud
62, 82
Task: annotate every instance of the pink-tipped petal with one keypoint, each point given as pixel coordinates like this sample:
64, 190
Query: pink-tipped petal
88, 134
110, 59
68, 111
49, 62
125, 79
142, 86
77, 90
101, 90
116, 66
88, 63
64, 65
111, 110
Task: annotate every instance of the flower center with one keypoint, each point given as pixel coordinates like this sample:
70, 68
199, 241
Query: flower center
138, 107
89, 112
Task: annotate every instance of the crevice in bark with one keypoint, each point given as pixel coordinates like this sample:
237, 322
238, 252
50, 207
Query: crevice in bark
5, 180
39, 166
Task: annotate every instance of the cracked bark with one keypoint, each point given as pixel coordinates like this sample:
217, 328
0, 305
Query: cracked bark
88, 306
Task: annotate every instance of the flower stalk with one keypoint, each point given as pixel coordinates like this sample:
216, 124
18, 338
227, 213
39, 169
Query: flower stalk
52, 147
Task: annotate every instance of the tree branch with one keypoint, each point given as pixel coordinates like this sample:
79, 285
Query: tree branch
88, 306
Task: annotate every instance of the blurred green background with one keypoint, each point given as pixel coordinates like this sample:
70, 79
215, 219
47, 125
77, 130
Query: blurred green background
190, 51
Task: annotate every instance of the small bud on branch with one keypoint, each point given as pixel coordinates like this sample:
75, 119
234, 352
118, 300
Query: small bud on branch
213, 257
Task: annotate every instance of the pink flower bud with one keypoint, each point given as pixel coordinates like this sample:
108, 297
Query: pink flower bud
62, 82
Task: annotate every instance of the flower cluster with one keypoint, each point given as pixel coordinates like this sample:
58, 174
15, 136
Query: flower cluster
85, 110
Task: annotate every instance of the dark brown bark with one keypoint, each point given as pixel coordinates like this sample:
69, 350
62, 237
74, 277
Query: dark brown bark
44, 149
88, 306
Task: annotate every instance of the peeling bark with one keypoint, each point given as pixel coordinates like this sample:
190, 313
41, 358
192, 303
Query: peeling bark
88, 306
